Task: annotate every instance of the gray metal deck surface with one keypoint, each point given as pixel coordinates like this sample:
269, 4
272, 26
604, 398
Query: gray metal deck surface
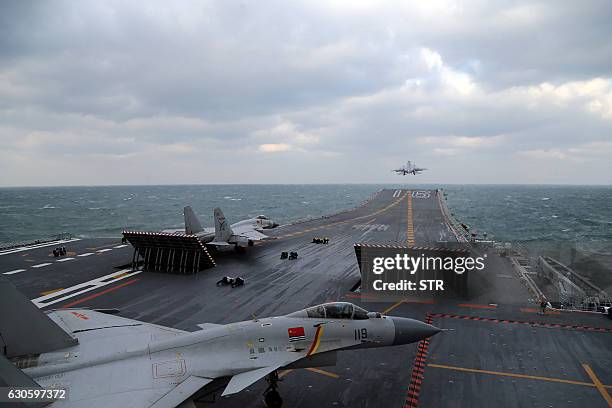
500, 353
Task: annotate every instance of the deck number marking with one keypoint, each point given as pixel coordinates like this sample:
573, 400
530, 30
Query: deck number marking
421, 194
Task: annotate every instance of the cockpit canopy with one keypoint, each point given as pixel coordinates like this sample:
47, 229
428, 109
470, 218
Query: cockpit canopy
334, 310
261, 217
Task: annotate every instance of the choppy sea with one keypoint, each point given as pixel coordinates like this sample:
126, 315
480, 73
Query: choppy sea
507, 213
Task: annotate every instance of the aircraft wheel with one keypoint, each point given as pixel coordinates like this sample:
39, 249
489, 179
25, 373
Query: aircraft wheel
273, 399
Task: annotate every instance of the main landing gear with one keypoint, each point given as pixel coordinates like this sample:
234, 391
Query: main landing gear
272, 397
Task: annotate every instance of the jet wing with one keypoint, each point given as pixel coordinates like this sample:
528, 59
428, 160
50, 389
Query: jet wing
181, 392
240, 381
218, 244
81, 322
248, 231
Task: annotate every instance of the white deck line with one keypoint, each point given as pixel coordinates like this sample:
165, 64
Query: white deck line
65, 259
97, 283
13, 272
41, 265
104, 250
46, 244
120, 246
86, 254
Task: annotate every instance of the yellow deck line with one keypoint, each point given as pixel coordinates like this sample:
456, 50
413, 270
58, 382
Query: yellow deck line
48, 292
600, 387
380, 211
393, 306
410, 222
323, 372
525, 376
283, 373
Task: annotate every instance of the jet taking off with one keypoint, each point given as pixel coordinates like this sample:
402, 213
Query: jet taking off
105, 360
409, 168
224, 236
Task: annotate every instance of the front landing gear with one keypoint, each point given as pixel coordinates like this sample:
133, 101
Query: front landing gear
271, 396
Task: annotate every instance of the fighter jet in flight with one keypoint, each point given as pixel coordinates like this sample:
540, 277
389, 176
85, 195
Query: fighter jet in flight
409, 168
104, 360
224, 236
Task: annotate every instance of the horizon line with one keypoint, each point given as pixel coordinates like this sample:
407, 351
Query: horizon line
304, 184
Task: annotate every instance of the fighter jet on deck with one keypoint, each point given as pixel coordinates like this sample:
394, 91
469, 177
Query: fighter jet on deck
224, 236
409, 168
108, 361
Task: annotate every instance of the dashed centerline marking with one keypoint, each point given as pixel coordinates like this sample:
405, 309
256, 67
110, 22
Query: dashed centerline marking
14, 272
65, 259
104, 250
410, 222
120, 246
41, 265
86, 254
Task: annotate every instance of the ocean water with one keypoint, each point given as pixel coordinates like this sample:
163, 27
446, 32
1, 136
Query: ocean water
34, 213
541, 215
581, 215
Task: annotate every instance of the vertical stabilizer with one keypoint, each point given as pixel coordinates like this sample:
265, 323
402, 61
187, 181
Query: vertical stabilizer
223, 231
192, 224
24, 328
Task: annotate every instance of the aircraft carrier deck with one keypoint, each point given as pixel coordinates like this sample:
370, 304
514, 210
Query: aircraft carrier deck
500, 353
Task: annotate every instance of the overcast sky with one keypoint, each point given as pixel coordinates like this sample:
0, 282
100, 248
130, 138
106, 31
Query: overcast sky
165, 92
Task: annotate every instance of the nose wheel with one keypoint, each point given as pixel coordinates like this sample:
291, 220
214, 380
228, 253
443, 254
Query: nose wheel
272, 397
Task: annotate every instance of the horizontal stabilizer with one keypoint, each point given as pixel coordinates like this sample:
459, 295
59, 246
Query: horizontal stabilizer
240, 381
218, 244
25, 328
181, 392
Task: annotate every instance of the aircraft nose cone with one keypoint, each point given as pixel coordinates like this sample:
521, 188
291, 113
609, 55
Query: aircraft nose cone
409, 330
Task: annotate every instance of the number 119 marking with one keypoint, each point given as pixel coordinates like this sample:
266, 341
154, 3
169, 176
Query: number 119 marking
361, 334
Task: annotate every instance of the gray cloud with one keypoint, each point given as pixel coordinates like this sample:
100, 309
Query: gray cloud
165, 92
